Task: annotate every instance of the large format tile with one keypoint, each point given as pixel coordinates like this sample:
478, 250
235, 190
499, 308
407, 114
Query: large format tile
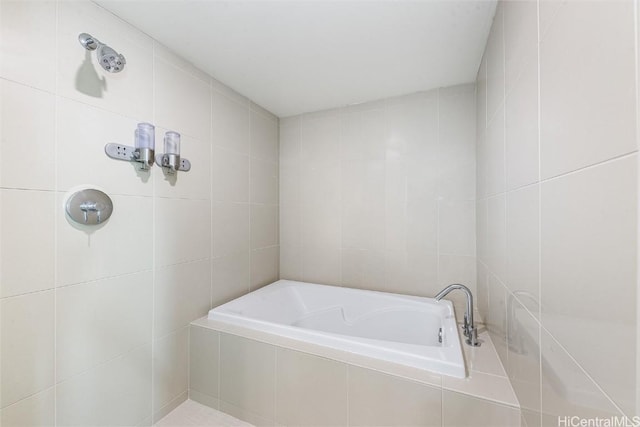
122, 245
523, 244
363, 210
100, 320
248, 375
170, 367
377, 399
521, 130
523, 366
37, 410
494, 155
495, 64
116, 393
80, 77
456, 227
195, 184
231, 174
27, 251
566, 389
588, 43
28, 122
182, 294
588, 255
230, 277
231, 124
456, 142
25, 28
459, 410
520, 39
26, 346
265, 264
264, 181
204, 361
496, 235
264, 226
182, 102
310, 390
231, 228
80, 152
183, 230
264, 135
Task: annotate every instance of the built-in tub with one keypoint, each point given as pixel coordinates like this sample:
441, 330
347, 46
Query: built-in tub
405, 330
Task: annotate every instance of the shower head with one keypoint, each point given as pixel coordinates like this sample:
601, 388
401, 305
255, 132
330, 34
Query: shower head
108, 58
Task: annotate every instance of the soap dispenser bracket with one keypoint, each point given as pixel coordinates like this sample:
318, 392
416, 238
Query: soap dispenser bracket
144, 156
171, 163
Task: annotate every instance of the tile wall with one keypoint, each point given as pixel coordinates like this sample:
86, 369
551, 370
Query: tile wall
260, 383
93, 326
381, 195
557, 205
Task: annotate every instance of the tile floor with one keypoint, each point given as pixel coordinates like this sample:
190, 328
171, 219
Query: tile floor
193, 414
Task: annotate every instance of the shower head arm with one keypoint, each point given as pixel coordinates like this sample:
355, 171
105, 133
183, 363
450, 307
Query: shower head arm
88, 42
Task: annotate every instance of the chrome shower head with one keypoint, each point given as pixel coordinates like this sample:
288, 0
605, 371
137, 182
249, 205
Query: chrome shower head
108, 58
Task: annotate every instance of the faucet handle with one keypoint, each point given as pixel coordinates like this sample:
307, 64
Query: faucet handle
465, 325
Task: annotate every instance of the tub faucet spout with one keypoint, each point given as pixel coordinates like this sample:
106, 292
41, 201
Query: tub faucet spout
469, 326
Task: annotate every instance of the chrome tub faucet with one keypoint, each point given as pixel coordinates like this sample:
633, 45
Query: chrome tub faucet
469, 326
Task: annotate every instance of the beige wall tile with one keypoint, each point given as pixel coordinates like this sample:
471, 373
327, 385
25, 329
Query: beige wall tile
100, 320
459, 410
231, 172
34, 411
264, 226
231, 228
264, 181
80, 151
27, 247
310, 390
321, 264
456, 227
521, 129
231, 124
377, 399
26, 346
496, 258
523, 367
566, 388
28, 122
181, 294
182, 102
115, 393
81, 78
578, 111
456, 142
184, 230
494, 158
523, 245
265, 264
204, 361
520, 39
231, 277
264, 135
195, 184
122, 245
495, 65
170, 367
247, 375
586, 242
24, 28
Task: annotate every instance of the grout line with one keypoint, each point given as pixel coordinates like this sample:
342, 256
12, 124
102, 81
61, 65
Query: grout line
539, 319
55, 216
153, 241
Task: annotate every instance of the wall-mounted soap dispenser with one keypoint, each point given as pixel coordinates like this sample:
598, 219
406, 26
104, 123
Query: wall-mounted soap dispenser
142, 152
170, 160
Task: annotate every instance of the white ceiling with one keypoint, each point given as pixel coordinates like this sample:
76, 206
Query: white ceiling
299, 56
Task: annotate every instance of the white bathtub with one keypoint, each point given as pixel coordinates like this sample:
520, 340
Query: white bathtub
395, 328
